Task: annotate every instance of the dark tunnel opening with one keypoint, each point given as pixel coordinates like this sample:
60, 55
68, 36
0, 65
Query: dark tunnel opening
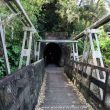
52, 54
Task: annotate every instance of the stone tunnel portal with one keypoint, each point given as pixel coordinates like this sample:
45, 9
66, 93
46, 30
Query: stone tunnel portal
52, 54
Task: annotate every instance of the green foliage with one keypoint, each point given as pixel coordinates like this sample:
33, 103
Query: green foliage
105, 47
14, 55
2, 68
80, 47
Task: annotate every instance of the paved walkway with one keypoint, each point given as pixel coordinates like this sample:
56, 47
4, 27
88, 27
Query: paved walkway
60, 94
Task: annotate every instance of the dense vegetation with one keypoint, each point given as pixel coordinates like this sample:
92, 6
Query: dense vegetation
55, 16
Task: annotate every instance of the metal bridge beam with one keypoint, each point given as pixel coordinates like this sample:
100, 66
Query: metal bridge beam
58, 41
15, 6
4, 50
96, 25
74, 53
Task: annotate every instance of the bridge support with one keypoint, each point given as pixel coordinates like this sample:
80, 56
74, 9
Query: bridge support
26, 46
74, 53
37, 47
3, 48
92, 54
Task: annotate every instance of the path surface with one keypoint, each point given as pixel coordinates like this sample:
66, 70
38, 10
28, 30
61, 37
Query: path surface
59, 93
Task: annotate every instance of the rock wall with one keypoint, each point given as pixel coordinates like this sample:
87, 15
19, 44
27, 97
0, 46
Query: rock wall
19, 91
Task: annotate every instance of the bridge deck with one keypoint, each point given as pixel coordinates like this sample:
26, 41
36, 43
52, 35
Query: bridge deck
59, 93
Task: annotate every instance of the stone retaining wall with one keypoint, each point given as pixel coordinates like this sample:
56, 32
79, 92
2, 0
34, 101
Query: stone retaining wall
19, 91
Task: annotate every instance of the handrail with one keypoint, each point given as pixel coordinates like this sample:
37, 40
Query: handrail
84, 77
18, 7
93, 66
97, 24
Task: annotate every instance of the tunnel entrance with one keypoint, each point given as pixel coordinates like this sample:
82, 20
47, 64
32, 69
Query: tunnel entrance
52, 54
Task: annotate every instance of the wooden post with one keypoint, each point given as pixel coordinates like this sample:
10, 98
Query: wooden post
39, 51
35, 49
106, 87
89, 78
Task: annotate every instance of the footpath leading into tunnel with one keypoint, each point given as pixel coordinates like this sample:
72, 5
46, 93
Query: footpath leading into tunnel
58, 93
